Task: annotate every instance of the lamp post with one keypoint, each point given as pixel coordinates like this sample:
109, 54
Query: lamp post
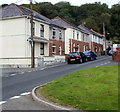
105, 37
32, 42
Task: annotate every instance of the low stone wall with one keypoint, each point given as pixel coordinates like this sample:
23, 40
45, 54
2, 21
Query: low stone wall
16, 62
116, 55
50, 60
26, 62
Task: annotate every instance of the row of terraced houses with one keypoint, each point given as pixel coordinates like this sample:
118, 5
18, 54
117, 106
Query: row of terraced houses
53, 39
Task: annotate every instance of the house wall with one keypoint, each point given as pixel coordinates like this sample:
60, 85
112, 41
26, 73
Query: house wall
16, 50
68, 35
57, 42
79, 46
71, 42
98, 48
37, 33
96, 44
13, 38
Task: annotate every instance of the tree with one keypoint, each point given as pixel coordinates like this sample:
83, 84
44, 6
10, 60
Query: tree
90, 23
115, 21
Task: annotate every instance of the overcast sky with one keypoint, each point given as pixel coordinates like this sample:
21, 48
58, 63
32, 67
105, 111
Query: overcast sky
73, 2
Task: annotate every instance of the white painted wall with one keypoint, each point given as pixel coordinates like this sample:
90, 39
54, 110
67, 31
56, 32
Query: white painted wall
15, 47
12, 36
57, 29
37, 33
68, 35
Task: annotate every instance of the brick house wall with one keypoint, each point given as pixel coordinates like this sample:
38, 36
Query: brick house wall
57, 43
97, 47
75, 45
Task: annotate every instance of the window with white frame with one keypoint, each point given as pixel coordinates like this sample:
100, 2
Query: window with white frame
83, 37
60, 35
41, 48
78, 45
73, 47
77, 35
54, 49
54, 34
84, 48
73, 34
60, 49
33, 28
41, 30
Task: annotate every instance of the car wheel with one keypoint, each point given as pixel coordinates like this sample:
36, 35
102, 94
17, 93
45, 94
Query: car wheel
86, 60
81, 61
91, 59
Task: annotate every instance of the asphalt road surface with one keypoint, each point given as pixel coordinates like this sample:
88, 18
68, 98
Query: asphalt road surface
16, 84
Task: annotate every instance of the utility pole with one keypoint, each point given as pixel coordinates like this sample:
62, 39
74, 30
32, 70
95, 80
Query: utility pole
105, 38
32, 42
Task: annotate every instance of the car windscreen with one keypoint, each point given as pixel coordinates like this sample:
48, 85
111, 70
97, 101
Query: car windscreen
87, 52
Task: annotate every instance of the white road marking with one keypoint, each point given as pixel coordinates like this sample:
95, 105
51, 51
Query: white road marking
101, 64
29, 71
42, 68
106, 63
21, 72
2, 102
13, 74
15, 97
26, 93
97, 66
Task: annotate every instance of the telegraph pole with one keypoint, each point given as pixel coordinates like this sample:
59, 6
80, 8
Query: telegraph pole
32, 42
105, 38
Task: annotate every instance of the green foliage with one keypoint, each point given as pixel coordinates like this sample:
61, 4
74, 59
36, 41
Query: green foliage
3, 5
90, 23
115, 21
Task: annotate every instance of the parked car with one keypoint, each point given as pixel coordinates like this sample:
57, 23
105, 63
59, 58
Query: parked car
110, 52
90, 55
76, 57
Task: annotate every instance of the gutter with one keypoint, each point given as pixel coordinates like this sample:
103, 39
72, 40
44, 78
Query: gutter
14, 17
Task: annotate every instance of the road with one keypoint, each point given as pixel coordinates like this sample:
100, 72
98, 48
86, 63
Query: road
14, 85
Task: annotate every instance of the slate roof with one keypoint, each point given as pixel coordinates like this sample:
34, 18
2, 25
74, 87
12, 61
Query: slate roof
63, 23
66, 24
14, 10
10, 11
85, 29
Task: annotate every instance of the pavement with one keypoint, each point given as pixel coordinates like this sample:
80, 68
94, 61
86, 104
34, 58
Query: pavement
25, 102
6, 72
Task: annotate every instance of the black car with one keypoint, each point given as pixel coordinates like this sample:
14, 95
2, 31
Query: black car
90, 55
76, 57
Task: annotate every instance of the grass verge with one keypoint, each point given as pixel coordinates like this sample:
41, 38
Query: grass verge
89, 89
